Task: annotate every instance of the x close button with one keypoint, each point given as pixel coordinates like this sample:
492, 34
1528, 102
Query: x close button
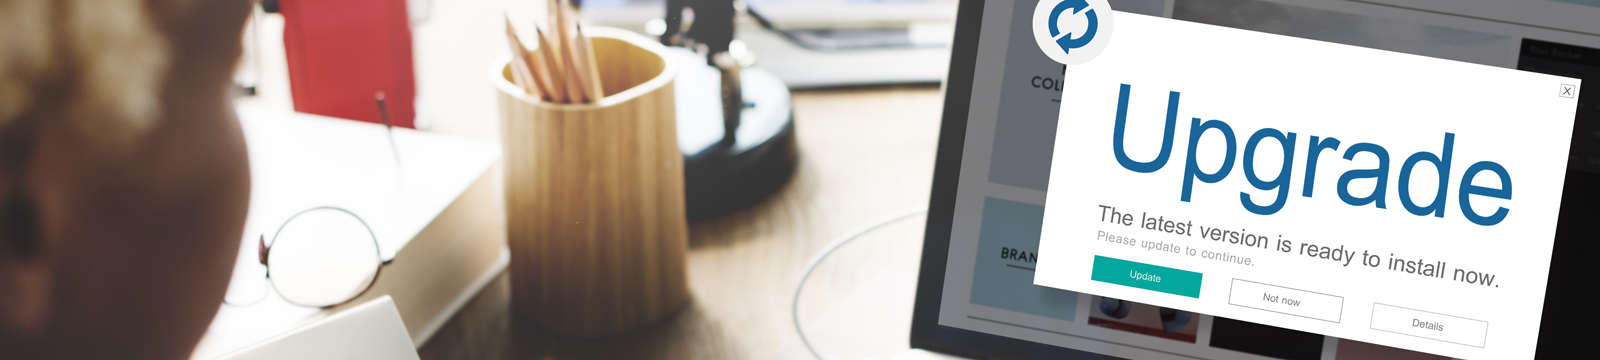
1569, 91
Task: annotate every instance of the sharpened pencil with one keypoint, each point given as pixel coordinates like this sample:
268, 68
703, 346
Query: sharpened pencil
522, 64
550, 68
561, 27
588, 71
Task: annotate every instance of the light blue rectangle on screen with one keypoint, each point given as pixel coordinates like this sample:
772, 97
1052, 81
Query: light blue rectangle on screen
1008, 244
1594, 3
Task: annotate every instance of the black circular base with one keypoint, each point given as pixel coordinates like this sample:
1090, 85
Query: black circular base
718, 181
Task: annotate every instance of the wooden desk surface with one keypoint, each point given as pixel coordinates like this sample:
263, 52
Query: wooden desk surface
865, 153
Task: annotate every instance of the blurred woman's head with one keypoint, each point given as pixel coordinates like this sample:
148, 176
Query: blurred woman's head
123, 177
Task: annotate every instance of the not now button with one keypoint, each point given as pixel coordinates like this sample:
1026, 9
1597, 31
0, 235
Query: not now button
1431, 325
1285, 300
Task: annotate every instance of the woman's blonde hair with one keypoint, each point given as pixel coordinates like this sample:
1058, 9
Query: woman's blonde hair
104, 59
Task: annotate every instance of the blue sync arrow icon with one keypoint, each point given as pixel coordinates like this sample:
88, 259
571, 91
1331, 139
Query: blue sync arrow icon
1067, 42
1059, 38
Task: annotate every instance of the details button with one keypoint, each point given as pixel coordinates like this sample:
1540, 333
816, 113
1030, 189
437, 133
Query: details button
1430, 325
1146, 276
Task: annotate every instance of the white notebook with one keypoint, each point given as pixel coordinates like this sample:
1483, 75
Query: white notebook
370, 331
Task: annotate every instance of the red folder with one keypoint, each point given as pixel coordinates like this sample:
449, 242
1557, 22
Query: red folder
341, 53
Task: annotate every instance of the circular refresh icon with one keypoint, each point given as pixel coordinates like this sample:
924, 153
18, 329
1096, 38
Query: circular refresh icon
1072, 32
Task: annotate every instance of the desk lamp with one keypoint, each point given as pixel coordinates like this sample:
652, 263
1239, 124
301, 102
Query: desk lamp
749, 154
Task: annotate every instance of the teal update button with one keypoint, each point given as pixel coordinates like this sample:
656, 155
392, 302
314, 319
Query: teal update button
1146, 276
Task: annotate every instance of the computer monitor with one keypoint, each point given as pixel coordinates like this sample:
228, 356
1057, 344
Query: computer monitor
977, 293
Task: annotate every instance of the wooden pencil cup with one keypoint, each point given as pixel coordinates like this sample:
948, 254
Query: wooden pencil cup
594, 196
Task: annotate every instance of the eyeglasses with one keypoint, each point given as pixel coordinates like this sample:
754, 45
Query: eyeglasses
325, 256
322, 257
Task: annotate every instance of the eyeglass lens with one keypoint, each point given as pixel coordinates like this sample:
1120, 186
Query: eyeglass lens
323, 257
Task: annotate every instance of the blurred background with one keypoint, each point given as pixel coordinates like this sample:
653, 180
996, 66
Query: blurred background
863, 80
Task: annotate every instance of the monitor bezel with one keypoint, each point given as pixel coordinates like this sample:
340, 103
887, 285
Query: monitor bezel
1559, 336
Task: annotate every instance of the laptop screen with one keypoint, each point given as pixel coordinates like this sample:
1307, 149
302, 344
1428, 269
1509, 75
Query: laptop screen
1253, 179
